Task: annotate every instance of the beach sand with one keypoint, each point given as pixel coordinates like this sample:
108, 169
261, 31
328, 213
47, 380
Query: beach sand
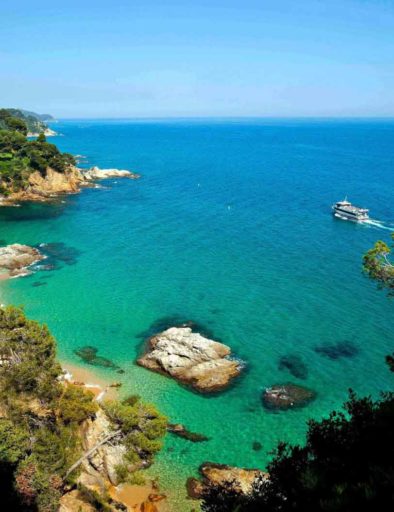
94, 383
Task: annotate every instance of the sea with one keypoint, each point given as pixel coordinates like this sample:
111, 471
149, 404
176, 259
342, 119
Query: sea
230, 227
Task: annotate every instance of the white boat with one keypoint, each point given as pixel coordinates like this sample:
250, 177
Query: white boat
346, 211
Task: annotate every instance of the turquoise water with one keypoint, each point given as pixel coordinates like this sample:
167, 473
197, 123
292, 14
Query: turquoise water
230, 226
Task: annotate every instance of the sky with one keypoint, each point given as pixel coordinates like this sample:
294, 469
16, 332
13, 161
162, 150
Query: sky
198, 58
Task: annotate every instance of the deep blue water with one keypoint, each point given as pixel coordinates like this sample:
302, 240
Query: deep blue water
229, 226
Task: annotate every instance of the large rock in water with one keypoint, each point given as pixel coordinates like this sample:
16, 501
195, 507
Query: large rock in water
239, 480
191, 359
287, 396
94, 173
15, 258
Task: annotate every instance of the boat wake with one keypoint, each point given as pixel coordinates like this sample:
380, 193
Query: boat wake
377, 224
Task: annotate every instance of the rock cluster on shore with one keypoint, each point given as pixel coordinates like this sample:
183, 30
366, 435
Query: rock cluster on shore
191, 359
16, 258
237, 479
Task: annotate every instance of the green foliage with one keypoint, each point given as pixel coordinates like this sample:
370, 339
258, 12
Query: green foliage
39, 434
41, 421
377, 265
14, 442
19, 157
11, 118
142, 428
29, 354
76, 405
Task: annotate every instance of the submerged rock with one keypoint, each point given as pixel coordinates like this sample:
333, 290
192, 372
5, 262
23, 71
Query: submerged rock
257, 446
287, 396
239, 480
16, 258
191, 359
89, 355
181, 431
338, 350
295, 365
94, 173
58, 253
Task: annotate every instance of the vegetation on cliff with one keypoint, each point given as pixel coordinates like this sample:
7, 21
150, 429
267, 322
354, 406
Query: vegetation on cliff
377, 265
20, 157
35, 123
42, 419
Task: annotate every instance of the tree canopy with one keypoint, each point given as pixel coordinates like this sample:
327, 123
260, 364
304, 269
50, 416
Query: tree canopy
41, 418
19, 156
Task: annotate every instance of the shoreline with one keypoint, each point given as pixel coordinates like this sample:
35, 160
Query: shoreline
85, 377
133, 496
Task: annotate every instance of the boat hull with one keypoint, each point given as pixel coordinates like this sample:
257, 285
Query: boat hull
348, 216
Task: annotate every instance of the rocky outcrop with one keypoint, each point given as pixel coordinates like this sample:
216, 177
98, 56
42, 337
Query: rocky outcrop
181, 431
191, 359
105, 459
48, 132
287, 396
16, 258
74, 501
239, 480
53, 183
94, 173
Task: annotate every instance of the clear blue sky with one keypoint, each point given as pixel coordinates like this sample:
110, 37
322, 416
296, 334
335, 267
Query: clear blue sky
126, 58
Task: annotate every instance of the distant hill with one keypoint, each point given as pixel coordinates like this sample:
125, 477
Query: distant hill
40, 117
21, 158
36, 123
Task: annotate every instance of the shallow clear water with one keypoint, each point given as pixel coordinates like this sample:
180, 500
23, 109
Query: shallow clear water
230, 226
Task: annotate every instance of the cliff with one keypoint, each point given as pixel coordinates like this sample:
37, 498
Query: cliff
55, 437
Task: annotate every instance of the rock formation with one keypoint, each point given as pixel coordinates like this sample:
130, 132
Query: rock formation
105, 459
219, 475
16, 258
94, 173
181, 431
287, 396
53, 183
191, 359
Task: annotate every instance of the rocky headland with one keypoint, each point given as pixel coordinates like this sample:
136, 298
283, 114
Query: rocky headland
239, 480
191, 359
43, 188
15, 260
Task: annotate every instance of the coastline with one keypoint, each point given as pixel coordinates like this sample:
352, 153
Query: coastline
133, 496
87, 378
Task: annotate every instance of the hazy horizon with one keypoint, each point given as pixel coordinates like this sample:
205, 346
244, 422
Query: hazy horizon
268, 59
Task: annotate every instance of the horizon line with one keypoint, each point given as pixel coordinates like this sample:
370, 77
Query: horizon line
227, 117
